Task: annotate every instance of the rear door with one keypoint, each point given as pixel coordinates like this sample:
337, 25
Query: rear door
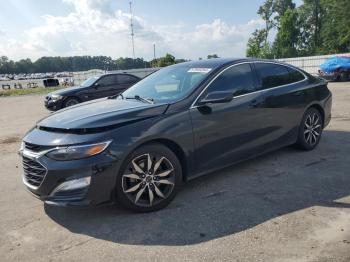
124, 82
284, 97
228, 132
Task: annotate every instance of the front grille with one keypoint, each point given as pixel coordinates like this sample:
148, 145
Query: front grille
34, 172
35, 148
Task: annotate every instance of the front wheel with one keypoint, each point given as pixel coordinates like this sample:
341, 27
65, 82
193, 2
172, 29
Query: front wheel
149, 179
71, 101
310, 129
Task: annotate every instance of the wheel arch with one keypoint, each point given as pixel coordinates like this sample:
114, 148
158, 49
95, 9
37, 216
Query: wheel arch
72, 96
320, 109
175, 148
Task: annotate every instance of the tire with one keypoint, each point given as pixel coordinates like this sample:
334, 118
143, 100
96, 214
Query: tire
310, 130
149, 178
70, 101
344, 76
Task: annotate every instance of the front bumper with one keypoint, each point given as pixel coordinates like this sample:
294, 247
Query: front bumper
102, 169
53, 105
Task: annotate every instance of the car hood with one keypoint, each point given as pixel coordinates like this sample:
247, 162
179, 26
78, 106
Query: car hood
67, 91
99, 115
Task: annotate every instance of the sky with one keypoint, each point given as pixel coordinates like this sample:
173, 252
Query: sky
187, 29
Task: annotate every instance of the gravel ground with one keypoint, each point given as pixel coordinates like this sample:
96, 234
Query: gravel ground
284, 206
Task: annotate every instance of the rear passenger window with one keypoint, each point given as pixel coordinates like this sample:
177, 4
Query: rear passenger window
126, 79
272, 75
107, 80
295, 75
238, 79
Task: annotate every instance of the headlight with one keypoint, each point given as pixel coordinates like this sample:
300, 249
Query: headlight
77, 152
22, 146
55, 97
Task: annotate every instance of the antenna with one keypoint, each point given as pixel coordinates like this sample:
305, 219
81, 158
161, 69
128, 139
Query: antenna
132, 30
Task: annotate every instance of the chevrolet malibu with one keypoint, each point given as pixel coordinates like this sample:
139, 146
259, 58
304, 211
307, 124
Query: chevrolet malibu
181, 122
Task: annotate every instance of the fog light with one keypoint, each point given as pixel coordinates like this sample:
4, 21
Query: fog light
72, 185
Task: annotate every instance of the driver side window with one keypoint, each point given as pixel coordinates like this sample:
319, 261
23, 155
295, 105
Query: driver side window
107, 80
237, 79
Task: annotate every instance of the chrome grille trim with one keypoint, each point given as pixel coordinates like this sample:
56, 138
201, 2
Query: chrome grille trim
33, 172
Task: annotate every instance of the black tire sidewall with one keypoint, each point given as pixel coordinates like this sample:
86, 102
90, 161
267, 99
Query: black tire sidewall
344, 76
301, 138
155, 149
70, 99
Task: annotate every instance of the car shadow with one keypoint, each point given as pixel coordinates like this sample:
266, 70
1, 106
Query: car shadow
229, 201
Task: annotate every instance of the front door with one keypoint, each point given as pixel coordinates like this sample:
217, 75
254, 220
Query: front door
228, 132
105, 86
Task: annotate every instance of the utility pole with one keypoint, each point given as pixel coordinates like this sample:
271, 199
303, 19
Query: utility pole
132, 30
154, 51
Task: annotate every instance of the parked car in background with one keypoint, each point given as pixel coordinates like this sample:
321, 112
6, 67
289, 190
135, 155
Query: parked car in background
336, 69
51, 82
180, 122
93, 88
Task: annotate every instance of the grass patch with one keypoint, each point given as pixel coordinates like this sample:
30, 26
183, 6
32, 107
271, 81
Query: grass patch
27, 91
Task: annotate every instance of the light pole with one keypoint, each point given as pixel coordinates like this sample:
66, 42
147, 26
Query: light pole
132, 31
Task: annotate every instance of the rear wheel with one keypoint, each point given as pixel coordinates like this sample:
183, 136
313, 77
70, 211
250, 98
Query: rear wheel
344, 76
71, 101
310, 129
149, 179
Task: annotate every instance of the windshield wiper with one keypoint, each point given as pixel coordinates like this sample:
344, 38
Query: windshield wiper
142, 99
116, 96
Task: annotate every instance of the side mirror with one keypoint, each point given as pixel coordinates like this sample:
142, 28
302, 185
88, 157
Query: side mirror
217, 98
96, 85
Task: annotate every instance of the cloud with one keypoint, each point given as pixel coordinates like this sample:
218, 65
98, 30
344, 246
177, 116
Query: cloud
94, 28
216, 37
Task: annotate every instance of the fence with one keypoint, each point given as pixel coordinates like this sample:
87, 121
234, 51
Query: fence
309, 64
79, 77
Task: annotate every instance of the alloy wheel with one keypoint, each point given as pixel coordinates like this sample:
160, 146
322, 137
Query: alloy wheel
312, 129
148, 180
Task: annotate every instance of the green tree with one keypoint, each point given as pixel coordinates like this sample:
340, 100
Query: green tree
286, 41
315, 27
257, 47
180, 60
280, 7
212, 56
73, 63
266, 11
167, 60
311, 16
335, 30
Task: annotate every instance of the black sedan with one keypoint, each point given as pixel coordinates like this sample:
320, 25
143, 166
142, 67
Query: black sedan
176, 124
92, 88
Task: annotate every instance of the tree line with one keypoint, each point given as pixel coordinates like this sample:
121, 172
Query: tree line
71, 64
316, 27
83, 63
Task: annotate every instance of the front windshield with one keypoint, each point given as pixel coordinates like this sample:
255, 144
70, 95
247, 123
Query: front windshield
89, 81
169, 84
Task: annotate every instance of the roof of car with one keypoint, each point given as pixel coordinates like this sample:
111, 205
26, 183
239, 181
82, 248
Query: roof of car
216, 62
220, 62
122, 73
